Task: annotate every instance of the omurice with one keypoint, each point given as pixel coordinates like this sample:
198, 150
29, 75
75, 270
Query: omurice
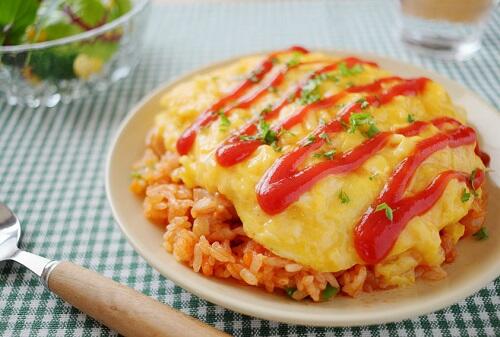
312, 175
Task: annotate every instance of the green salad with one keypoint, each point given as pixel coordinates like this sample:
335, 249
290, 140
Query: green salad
33, 21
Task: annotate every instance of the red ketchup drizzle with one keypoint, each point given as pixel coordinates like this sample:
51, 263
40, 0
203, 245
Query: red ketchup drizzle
283, 183
187, 138
234, 150
375, 234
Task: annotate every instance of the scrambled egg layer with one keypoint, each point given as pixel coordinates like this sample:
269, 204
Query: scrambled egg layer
317, 230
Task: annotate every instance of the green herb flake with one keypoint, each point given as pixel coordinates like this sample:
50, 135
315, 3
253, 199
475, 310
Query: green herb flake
363, 103
329, 292
247, 138
410, 118
266, 110
224, 121
326, 138
373, 176
310, 139
357, 119
465, 195
481, 234
266, 134
333, 78
309, 96
326, 154
272, 89
387, 209
329, 154
294, 61
276, 147
136, 175
372, 131
363, 118
345, 71
344, 198
472, 178
289, 291
310, 92
287, 132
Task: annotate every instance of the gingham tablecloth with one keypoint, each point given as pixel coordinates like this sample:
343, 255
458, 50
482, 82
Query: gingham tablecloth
52, 162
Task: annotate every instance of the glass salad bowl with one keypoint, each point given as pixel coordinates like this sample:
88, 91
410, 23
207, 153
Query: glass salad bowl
60, 70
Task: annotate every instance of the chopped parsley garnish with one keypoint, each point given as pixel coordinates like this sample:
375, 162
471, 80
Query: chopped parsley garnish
465, 195
287, 132
276, 147
471, 180
346, 71
473, 177
357, 119
310, 92
481, 234
224, 121
326, 138
344, 198
363, 103
373, 176
289, 291
410, 118
266, 110
387, 209
332, 78
326, 154
294, 61
372, 131
310, 139
272, 89
136, 175
247, 137
265, 134
329, 292
362, 118
275, 60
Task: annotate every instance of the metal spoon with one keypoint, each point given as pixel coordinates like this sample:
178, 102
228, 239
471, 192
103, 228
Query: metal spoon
116, 306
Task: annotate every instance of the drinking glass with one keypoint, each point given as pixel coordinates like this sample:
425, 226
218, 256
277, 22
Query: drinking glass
445, 28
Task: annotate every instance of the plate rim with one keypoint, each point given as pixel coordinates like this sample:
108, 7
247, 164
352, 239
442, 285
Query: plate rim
251, 309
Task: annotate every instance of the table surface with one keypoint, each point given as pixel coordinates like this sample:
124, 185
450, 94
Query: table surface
52, 161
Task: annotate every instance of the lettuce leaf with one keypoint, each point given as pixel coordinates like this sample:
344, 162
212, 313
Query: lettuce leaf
15, 17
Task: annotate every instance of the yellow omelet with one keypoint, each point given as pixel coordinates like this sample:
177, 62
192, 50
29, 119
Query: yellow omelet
317, 229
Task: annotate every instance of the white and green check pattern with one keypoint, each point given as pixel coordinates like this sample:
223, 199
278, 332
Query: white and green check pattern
52, 162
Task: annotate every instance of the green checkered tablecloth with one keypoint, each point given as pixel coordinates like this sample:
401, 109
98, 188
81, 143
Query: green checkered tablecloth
52, 162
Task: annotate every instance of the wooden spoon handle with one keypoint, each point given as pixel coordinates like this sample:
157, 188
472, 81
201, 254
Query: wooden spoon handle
121, 308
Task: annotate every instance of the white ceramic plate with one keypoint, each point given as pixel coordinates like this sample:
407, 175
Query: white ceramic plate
478, 263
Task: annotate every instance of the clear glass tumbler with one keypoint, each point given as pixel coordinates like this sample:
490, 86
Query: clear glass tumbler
445, 28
